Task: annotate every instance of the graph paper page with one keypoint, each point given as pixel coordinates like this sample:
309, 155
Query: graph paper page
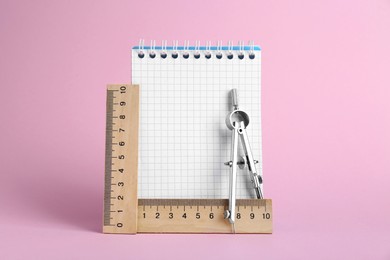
184, 141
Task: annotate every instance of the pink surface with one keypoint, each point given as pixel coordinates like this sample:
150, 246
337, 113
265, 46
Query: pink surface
326, 102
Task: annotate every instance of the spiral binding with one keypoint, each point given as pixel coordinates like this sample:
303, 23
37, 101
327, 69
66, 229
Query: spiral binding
184, 52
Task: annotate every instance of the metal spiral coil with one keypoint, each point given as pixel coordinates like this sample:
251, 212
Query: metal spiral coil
185, 51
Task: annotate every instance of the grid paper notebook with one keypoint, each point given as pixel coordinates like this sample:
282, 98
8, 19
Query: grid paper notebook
184, 141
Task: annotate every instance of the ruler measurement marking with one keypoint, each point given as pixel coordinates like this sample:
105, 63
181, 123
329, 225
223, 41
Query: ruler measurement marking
109, 163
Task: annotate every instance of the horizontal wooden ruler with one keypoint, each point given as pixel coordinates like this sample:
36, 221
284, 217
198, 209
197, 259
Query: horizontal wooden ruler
126, 214
203, 216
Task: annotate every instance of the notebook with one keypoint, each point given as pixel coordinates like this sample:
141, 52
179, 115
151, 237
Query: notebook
184, 100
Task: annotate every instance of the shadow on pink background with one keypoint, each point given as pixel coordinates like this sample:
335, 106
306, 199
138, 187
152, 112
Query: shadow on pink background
325, 79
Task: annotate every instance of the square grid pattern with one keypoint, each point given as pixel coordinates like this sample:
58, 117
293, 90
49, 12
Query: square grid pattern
184, 141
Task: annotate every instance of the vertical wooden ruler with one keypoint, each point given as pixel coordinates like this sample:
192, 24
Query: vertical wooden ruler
121, 170
125, 213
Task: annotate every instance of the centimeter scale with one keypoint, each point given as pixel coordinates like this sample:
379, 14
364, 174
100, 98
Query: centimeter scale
125, 213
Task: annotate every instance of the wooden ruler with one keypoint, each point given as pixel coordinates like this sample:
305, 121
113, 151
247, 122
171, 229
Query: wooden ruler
121, 171
125, 213
203, 216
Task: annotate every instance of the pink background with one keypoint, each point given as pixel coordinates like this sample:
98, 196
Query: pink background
326, 102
